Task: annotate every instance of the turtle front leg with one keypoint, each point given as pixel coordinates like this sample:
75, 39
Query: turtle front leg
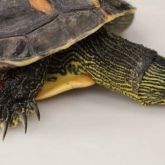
123, 66
19, 87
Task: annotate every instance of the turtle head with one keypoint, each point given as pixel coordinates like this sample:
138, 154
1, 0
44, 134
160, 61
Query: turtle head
152, 86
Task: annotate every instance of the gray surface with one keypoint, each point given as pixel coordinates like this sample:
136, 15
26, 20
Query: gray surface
95, 126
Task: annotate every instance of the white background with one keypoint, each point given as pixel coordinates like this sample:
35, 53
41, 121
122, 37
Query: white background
95, 126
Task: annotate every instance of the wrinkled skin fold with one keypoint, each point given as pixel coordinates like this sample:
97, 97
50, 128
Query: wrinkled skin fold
111, 61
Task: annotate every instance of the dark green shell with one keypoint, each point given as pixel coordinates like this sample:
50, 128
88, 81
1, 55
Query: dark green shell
28, 34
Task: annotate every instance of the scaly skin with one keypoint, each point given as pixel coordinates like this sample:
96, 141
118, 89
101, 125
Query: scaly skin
117, 64
109, 60
19, 87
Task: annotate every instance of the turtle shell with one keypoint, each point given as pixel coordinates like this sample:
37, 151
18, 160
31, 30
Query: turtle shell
33, 29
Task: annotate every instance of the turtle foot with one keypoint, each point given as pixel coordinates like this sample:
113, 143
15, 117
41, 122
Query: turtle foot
11, 116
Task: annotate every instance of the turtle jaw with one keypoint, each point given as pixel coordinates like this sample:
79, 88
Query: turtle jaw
152, 87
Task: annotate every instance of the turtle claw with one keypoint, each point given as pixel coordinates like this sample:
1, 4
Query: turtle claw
24, 121
34, 107
11, 117
4, 129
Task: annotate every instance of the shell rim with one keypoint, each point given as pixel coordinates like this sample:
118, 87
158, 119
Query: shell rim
69, 43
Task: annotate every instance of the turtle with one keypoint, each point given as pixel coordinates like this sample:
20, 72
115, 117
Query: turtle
51, 46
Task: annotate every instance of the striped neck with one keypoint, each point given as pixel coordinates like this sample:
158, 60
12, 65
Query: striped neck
152, 87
